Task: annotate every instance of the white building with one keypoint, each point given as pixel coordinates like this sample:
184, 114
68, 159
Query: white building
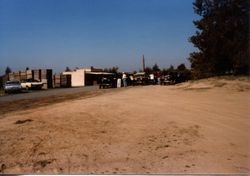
77, 76
85, 76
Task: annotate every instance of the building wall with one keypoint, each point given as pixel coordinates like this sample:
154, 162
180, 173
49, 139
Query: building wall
77, 77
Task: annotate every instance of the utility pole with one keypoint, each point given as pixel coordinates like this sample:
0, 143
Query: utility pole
143, 63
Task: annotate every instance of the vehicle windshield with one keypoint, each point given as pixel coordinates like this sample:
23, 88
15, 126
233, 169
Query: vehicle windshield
32, 80
12, 82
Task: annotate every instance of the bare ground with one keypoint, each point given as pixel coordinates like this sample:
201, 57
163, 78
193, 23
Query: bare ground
195, 127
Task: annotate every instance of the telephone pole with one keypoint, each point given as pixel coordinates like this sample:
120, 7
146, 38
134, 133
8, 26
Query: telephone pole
143, 63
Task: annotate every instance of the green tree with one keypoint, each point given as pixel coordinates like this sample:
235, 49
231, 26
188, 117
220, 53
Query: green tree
171, 68
181, 67
111, 70
155, 68
166, 71
183, 72
67, 69
222, 38
7, 70
148, 70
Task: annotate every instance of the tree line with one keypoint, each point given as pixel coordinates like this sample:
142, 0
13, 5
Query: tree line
222, 38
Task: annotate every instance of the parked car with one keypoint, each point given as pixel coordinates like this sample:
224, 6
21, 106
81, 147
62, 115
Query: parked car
31, 84
140, 78
108, 82
12, 86
167, 80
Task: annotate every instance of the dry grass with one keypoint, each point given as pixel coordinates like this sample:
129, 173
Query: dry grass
229, 82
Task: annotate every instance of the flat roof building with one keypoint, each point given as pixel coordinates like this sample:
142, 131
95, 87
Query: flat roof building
86, 76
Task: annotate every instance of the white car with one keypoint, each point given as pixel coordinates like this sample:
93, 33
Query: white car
12, 86
31, 84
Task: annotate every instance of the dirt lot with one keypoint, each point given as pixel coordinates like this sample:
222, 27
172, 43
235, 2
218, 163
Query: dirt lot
195, 127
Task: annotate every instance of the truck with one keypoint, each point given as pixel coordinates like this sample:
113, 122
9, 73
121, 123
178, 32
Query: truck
31, 84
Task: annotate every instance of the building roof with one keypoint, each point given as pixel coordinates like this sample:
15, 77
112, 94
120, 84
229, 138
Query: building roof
99, 73
139, 74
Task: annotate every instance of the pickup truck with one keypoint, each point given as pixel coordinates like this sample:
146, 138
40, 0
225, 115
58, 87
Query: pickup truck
31, 84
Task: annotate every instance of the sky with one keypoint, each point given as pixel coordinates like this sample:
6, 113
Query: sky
100, 33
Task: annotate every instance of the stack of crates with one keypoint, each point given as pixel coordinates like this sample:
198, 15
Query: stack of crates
23, 75
65, 80
17, 76
57, 81
11, 76
49, 77
43, 76
36, 74
29, 74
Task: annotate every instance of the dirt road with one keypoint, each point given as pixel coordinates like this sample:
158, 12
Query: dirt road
33, 94
196, 127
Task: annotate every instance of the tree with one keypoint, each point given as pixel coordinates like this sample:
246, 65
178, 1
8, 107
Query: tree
114, 69
183, 72
167, 71
171, 68
164, 71
67, 69
148, 70
7, 70
181, 67
155, 68
111, 70
222, 38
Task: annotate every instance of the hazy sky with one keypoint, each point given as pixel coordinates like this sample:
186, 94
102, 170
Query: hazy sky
100, 33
